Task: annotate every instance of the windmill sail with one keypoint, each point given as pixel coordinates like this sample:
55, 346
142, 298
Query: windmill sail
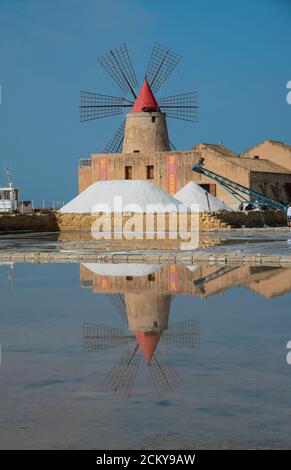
116, 62
161, 64
183, 334
183, 106
115, 143
172, 146
98, 337
118, 65
122, 376
118, 302
97, 106
164, 376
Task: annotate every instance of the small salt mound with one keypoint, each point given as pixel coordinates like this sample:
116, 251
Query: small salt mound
192, 193
192, 268
122, 269
136, 196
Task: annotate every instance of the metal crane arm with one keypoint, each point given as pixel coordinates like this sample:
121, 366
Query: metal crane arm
235, 188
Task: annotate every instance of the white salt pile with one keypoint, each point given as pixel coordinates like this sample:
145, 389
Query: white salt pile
192, 268
192, 193
136, 196
122, 269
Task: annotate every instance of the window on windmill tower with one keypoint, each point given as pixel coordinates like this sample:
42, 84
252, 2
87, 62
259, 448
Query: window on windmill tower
150, 172
128, 172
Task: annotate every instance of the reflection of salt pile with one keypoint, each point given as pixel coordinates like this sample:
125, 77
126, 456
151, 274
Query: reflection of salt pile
137, 195
192, 193
122, 269
192, 268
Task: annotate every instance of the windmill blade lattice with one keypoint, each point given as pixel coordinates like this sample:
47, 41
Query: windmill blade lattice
118, 65
122, 376
172, 146
185, 334
164, 376
116, 62
99, 337
183, 106
161, 64
115, 143
117, 300
97, 106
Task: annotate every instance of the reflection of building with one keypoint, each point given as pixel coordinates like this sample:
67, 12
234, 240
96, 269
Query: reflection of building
278, 283
143, 293
181, 280
147, 315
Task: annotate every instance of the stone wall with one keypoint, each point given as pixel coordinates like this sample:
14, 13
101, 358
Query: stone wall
29, 222
53, 222
228, 220
128, 222
207, 221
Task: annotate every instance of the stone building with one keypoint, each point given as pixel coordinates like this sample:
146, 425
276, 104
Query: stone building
146, 154
276, 152
173, 170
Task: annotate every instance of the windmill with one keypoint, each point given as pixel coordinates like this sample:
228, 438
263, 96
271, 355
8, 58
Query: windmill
116, 62
164, 376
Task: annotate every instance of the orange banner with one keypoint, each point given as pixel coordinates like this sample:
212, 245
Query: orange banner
103, 282
172, 174
172, 278
103, 169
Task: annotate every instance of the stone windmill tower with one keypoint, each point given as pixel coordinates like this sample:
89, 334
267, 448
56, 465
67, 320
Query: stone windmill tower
145, 127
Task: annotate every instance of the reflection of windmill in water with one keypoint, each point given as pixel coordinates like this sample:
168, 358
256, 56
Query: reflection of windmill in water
147, 327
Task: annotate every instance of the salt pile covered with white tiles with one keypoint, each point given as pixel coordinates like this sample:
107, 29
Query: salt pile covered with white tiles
192, 193
137, 196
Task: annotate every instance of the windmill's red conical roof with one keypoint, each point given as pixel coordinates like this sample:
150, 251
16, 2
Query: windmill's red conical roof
145, 99
147, 343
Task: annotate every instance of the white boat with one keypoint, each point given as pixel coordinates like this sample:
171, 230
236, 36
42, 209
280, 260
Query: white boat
9, 199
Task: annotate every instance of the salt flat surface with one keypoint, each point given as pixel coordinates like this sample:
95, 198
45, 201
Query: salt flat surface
192, 193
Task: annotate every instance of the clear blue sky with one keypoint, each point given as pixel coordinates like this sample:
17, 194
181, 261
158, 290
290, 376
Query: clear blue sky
235, 53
